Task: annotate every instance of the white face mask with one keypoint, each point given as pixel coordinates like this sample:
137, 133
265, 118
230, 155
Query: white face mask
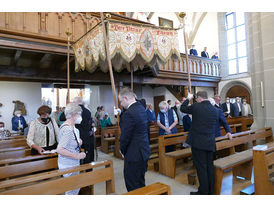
18, 115
78, 120
2, 129
244, 103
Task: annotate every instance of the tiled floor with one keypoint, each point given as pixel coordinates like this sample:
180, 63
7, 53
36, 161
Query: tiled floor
178, 185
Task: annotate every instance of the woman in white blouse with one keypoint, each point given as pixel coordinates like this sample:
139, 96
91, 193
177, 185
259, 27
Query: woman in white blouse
69, 147
43, 132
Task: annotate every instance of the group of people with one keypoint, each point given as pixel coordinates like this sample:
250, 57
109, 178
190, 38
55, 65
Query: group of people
204, 53
134, 142
74, 133
205, 117
235, 109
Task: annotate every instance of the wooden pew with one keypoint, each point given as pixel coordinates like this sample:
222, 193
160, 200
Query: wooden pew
106, 142
167, 161
52, 183
263, 158
15, 152
13, 137
241, 163
13, 143
245, 121
157, 188
11, 168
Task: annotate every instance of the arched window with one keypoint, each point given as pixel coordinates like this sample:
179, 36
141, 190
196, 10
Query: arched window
236, 42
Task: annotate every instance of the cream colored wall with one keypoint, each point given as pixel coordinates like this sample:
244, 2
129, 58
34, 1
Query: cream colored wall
207, 34
27, 92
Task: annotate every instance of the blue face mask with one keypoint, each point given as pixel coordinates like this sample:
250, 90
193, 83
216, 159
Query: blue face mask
162, 110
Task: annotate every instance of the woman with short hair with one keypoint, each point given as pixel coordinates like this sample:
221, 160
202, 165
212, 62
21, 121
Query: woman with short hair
43, 132
69, 147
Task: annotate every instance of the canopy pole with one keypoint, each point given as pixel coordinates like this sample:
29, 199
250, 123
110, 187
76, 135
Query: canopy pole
182, 15
109, 60
131, 78
68, 33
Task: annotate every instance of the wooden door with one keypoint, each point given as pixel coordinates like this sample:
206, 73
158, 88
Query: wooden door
157, 100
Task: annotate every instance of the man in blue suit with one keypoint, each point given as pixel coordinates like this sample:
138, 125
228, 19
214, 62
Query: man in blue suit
150, 114
204, 53
193, 51
134, 144
201, 138
237, 107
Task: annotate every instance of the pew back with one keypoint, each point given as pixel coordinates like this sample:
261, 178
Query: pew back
263, 159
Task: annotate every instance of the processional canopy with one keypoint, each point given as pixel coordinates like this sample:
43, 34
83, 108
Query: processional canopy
137, 44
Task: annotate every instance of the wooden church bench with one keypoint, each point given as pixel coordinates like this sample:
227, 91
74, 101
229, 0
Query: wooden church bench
107, 141
262, 159
15, 152
13, 143
241, 163
52, 182
27, 165
153, 189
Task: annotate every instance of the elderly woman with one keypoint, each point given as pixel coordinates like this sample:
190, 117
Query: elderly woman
167, 121
4, 132
70, 142
18, 121
43, 132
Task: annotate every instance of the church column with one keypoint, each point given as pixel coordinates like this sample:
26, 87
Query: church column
261, 65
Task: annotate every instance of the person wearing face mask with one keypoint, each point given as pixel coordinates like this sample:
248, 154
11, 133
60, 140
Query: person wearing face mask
4, 132
237, 107
43, 131
246, 108
134, 143
18, 122
228, 108
69, 147
167, 121
178, 112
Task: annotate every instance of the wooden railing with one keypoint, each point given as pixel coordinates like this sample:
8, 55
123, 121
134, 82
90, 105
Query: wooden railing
197, 66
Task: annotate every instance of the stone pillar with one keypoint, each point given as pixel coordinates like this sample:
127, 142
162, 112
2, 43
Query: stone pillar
261, 64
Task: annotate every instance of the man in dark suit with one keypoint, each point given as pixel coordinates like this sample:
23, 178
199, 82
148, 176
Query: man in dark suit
134, 144
85, 128
217, 99
204, 53
237, 107
193, 51
228, 108
201, 138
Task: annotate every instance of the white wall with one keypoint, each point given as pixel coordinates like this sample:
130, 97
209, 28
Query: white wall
27, 92
209, 90
107, 100
162, 91
207, 35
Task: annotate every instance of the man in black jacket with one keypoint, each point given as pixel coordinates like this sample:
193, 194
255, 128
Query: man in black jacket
134, 144
85, 128
201, 138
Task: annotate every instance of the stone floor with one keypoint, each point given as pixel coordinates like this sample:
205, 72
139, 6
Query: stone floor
178, 185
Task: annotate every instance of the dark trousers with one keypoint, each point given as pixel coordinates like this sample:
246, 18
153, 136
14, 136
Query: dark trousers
88, 146
134, 174
203, 162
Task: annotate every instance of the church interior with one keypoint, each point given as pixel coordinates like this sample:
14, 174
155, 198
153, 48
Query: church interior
50, 58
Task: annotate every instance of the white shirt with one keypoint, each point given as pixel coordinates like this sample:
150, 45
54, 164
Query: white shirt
228, 107
239, 106
245, 110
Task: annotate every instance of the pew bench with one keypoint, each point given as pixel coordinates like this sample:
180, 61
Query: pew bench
11, 168
106, 142
13, 137
52, 183
263, 158
153, 189
15, 152
168, 163
241, 163
13, 143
